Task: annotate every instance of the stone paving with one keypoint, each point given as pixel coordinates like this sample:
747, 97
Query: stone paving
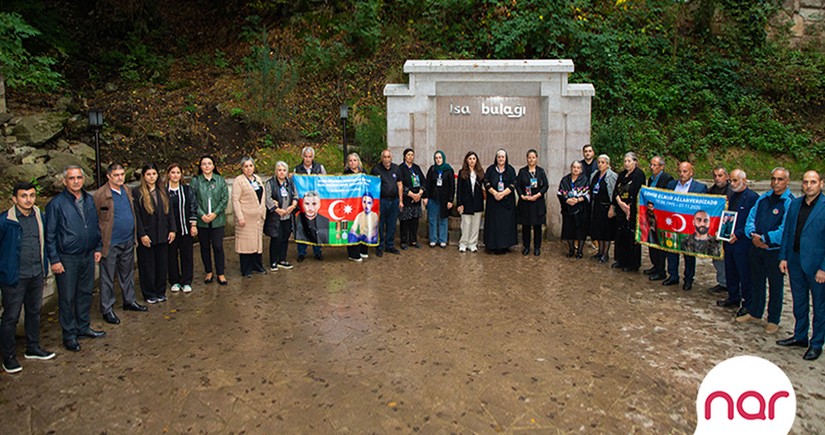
430, 341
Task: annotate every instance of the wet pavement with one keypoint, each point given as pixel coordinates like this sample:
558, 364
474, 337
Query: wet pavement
431, 341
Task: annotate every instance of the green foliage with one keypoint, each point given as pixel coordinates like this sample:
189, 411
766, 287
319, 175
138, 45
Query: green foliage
142, 64
321, 57
236, 112
19, 68
270, 79
220, 60
364, 29
371, 134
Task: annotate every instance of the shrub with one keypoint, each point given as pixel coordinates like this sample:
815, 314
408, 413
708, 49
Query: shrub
371, 134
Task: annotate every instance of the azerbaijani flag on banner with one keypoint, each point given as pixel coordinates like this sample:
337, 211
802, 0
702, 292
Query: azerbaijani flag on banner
685, 223
337, 209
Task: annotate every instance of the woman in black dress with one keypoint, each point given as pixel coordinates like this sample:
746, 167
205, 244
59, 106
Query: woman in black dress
413, 180
574, 194
532, 186
628, 254
500, 231
602, 215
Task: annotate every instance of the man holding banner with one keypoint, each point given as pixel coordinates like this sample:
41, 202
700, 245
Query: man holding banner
685, 184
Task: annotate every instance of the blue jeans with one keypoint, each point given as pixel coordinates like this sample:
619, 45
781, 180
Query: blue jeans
801, 285
764, 265
673, 266
738, 271
302, 249
386, 223
74, 293
27, 293
437, 225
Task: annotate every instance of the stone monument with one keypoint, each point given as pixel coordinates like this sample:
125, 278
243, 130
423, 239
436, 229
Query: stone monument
483, 105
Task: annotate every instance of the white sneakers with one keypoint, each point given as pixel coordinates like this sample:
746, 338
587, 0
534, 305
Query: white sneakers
175, 287
187, 288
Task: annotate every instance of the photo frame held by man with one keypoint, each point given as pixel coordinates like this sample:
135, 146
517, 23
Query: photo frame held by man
727, 226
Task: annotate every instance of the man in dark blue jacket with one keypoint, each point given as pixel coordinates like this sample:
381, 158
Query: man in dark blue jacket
685, 184
73, 246
22, 275
737, 250
802, 257
765, 226
660, 179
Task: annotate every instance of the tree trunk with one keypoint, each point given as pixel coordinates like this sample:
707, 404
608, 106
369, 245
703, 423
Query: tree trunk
3, 108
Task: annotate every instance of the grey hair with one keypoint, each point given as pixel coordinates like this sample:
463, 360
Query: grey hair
661, 159
632, 156
312, 194
281, 163
308, 149
604, 157
66, 171
780, 168
245, 159
575, 162
744, 174
720, 168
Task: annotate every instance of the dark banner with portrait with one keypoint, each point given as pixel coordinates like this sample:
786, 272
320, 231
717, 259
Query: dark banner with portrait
337, 210
684, 223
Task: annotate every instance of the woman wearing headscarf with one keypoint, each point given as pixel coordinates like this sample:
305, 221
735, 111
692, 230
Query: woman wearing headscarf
602, 215
414, 188
155, 228
249, 205
500, 232
439, 197
628, 254
470, 201
574, 194
532, 186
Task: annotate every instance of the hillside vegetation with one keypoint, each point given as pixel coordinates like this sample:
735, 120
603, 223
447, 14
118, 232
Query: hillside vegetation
714, 81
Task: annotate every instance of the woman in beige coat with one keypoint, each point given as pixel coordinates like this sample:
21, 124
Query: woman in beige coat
249, 206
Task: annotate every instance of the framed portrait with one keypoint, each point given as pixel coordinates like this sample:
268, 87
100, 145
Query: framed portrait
727, 225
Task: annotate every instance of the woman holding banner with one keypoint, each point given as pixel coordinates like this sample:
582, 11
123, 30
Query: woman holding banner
358, 252
439, 197
532, 185
213, 197
602, 215
628, 254
249, 205
414, 188
574, 194
281, 203
500, 231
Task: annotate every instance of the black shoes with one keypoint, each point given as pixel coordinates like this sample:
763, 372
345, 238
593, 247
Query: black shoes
11, 365
134, 306
319, 257
393, 251
91, 333
616, 265
651, 271
671, 281
379, 253
301, 258
742, 311
812, 354
403, 247
415, 245
579, 256
630, 269
537, 252
792, 342
727, 303
525, 251
657, 277
38, 353
687, 285
717, 289
111, 317
603, 259
71, 345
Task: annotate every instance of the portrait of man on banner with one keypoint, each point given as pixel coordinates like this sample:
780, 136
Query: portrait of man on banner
312, 227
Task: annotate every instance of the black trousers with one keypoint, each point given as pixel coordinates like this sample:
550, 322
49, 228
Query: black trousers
74, 293
627, 252
657, 258
278, 246
211, 240
153, 264
409, 231
525, 235
27, 293
355, 251
181, 260
251, 263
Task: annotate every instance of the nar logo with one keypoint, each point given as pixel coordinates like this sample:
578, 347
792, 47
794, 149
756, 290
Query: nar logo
745, 394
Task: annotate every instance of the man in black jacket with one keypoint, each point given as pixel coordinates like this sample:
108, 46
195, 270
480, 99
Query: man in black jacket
73, 246
660, 179
721, 186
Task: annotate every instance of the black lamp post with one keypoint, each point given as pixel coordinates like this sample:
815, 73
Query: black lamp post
96, 124
344, 114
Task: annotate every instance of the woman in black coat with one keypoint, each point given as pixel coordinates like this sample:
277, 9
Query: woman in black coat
155, 227
470, 201
628, 254
532, 186
500, 229
414, 187
184, 208
602, 214
438, 198
574, 195
281, 203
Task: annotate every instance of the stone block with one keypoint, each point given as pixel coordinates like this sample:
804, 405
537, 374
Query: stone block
37, 156
83, 150
39, 128
30, 172
812, 15
812, 4
23, 150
